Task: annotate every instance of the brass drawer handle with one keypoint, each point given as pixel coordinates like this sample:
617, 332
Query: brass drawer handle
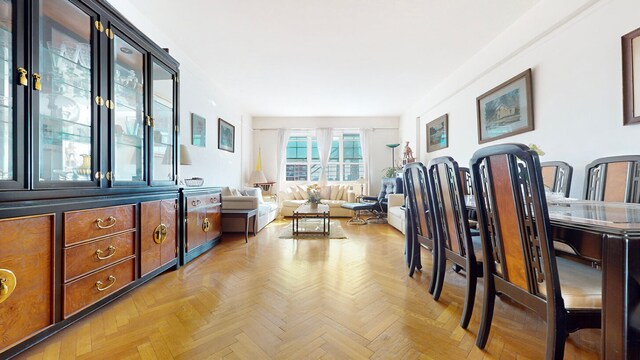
111, 249
195, 202
99, 283
160, 234
206, 225
7, 284
111, 220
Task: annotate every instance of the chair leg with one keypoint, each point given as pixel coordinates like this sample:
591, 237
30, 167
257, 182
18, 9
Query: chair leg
487, 311
441, 263
470, 295
434, 272
556, 336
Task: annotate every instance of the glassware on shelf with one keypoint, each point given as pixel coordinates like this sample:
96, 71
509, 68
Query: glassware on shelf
84, 54
70, 51
85, 167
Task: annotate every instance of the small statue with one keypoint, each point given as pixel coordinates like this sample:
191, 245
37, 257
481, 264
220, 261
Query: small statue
408, 154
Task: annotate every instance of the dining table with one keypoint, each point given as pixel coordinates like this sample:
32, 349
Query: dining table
608, 234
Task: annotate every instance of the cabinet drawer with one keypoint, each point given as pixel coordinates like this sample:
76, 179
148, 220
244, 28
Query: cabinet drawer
26, 249
85, 291
88, 224
81, 259
202, 200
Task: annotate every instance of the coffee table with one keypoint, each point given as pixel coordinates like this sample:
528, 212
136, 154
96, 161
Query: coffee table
305, 212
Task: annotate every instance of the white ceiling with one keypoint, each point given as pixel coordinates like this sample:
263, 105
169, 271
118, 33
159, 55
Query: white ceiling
331, 57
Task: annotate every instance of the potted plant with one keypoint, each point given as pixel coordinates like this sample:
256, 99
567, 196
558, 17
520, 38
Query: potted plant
314, 195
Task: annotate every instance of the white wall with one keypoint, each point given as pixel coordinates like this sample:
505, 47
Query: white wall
217, 167
384, 131
574, 50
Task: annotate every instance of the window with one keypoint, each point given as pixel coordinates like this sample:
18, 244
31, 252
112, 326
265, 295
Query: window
345, 158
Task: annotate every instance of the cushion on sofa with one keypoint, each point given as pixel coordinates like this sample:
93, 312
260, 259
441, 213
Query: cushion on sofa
302, 190
257, 192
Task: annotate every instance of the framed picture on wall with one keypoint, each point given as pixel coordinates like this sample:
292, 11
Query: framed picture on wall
226, 136
506, 110
438, 133
631, 77
198, 130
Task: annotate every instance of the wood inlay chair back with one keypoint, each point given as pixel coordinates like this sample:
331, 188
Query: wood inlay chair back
614, 178
465, 178
419, 218
520, 261
556, 176
454, 241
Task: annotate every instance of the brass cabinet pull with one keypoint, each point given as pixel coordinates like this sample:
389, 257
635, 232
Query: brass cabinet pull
111, 223
150, 121
99, 175
37, 85
206, 225
109, 104
112, 280
99, 100
109, 175
195, 202
111, 249
7, 284
109, 33
160, 234
99, 26
22, 78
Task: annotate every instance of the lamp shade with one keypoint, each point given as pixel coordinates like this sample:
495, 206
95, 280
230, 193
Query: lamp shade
185, 157
257, 177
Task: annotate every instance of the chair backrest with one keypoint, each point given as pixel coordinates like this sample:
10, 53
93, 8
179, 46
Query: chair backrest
418, 199
465, 178
614, 178
390, 186
556, 176
514, 225
450, 211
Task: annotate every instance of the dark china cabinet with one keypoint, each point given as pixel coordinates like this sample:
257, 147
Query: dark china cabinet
88, 174
96, 107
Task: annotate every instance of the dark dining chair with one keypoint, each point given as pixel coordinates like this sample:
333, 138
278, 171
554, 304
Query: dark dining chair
615, 178
465, 179
519, 259
556, 176
419, 219
454, 240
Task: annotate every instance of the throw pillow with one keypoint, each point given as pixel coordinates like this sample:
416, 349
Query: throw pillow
296, 192
235, 192
325, 192
257, 192
225, 191
340, 192
345, 194
334, 191
287, 195
303, 192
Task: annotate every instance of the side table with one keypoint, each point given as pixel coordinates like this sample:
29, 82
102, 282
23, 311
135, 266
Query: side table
243, 214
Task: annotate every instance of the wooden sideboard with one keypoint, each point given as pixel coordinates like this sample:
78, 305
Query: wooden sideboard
201, 216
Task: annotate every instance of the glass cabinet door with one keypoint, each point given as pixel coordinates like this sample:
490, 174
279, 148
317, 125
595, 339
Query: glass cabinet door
128, 113
8, 131
163, 129
63, 103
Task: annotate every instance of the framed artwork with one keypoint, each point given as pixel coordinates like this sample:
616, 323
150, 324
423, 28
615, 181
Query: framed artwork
226, 136
631, 77
438, 133
506, 110
198, 130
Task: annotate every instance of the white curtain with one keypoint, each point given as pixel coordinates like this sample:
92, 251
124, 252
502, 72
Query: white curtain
365, 143
324, 137
283, 139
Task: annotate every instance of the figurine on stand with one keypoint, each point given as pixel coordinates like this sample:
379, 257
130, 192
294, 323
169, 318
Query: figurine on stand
408, 154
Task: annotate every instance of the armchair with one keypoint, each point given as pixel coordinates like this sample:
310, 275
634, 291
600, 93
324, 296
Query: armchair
388, 186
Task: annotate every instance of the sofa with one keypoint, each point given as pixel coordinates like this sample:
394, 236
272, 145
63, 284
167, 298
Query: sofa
395, 212
332, 195
247, 199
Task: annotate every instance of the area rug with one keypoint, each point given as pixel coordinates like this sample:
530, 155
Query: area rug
335, 231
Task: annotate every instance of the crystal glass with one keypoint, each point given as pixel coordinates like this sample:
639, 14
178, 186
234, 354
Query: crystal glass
64, 115
163, 159
128, 92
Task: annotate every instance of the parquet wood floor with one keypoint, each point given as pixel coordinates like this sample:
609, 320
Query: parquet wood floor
302, 299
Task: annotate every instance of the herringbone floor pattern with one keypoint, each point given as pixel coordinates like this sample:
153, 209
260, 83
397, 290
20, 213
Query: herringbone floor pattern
302, 299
